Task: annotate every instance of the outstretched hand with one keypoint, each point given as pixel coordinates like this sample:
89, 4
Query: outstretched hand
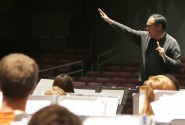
105, 17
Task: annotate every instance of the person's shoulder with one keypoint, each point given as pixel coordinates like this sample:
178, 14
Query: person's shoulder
144, 33
170, 38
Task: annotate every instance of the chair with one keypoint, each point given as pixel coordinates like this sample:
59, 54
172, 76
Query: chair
114, 68
94, 74
133, 81
102, 80
120, 80
77, 83
124, 74
85, 79
130, 69
95, 84
109, 74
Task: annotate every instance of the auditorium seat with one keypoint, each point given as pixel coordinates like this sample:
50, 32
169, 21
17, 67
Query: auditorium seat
102, 80
109, 74
114, 68
94, 74
95, 84
130, 69
133, 81
77, 83
124, 74
85, 79
117, 80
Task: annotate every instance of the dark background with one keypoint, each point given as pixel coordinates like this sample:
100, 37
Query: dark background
35, 26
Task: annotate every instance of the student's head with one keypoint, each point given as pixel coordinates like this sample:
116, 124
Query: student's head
158, 82
55, 90
175, 81
18, 75
54, 115
65, 82
156, 25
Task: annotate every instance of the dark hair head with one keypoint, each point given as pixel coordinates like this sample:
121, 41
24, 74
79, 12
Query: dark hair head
65, 82
159, 19
54, 115
18, 75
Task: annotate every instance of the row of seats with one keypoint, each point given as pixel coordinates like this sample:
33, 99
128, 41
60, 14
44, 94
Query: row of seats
68, 55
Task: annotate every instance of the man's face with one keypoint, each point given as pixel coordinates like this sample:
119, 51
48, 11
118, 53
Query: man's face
152, 28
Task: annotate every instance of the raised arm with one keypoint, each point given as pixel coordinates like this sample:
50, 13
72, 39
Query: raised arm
105, 17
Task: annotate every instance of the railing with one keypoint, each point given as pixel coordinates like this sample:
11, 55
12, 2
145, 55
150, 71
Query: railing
81, 70
107, 56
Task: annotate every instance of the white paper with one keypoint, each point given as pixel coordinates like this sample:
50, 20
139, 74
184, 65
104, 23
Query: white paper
34, 105
84, 91
118, 120
170, 107
115, 93
91, 105
43, 85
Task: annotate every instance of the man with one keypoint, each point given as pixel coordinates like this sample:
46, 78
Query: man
18, 77
160, 52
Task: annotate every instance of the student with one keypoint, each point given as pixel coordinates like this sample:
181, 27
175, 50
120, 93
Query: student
54, 115
55, 90
158, 82
65, 82
18, 77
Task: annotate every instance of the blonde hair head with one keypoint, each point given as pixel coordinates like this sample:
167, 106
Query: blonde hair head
55, 90
158, 82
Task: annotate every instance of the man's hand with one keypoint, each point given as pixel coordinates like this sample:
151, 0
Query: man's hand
161, 52
105, 17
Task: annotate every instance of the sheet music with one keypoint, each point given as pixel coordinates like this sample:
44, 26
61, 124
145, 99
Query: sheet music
91, 105
116, 93
170, 107
43, 85
85, 91
84, 107
34, 105
118, 120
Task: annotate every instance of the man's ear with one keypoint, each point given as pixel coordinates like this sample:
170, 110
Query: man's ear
160, 27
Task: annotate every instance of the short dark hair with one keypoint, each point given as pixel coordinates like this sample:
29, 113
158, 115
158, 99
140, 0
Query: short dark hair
54, 115
18, 75
159, 19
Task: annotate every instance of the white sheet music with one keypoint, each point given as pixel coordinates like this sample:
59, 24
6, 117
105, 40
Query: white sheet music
84, 91
43, 85
91, 105
118, 120
170, 107
34, 105
84, 107
116, 93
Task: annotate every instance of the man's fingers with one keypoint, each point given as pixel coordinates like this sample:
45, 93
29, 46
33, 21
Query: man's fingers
101, 12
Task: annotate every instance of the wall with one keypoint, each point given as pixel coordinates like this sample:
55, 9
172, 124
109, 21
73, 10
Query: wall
34, 20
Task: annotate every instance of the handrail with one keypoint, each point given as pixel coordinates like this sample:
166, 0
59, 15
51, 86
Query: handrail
68, 64
105, 54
